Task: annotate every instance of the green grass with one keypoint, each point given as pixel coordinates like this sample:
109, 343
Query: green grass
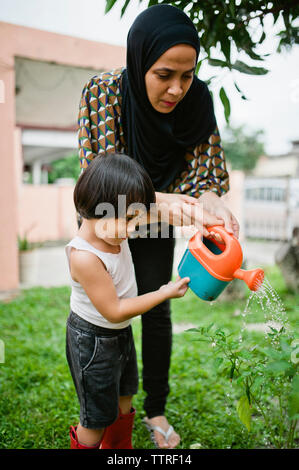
38, 401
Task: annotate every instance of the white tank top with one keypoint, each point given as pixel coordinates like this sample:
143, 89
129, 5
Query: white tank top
121, 269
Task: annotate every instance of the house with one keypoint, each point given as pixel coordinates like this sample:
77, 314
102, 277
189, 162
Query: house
279, 165
41, 78
271, 197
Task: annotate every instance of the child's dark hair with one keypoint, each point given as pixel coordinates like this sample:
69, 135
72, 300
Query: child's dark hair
107, 176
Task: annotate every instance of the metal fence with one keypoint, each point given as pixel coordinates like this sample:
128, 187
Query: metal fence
271, 207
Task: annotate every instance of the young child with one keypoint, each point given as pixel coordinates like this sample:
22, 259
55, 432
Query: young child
100, 347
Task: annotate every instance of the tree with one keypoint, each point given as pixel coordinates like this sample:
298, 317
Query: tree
232, 27
242, 149
67, 167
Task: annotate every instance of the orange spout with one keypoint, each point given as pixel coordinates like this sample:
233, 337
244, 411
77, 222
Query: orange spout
254, 277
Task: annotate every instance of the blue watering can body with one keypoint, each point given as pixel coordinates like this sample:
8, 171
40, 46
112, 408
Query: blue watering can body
211, 265
202, 283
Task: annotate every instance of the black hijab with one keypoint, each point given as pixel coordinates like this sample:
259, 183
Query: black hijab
158, 141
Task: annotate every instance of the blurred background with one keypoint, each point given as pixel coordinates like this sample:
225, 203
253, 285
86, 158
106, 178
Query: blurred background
48, 51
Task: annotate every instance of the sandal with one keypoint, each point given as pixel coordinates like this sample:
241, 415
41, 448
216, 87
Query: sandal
152, 428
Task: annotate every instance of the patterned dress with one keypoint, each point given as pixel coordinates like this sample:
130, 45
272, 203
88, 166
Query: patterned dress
101, 130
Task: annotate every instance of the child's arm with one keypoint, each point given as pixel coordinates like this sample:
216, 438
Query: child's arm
89, 271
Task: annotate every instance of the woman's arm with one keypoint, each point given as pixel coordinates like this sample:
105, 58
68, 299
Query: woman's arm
205, 180
89, 271
99, 110
215, 206
183, 210
94, 107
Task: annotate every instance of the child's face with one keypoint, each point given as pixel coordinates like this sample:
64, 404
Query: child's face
115, 231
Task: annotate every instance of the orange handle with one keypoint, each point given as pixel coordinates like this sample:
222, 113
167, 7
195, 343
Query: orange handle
222, 265
226, 236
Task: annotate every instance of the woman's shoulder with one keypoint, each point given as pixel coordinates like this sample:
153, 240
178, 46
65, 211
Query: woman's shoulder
110, 80
103, 91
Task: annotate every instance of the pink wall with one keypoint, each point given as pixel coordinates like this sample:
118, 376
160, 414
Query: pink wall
234, 198
8, 183
46, 212
34, 44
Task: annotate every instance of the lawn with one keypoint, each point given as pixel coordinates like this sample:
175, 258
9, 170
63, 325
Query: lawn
38, 401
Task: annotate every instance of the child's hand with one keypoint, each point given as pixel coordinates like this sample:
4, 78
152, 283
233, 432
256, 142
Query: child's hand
177, 288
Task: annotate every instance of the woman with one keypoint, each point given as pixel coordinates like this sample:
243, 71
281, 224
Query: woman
158, 112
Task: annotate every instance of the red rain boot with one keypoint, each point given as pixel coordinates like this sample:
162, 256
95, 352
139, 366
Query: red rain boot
119, 434
75, 444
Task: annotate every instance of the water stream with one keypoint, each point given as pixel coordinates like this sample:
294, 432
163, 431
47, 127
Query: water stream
266, 299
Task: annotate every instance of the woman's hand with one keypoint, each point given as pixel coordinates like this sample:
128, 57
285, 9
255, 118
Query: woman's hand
214, 205
175, 289
182, 210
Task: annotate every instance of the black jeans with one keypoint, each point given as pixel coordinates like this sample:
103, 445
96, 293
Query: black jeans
103, 366
153, 260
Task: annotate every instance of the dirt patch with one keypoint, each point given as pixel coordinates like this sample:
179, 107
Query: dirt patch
262, 327
181, 327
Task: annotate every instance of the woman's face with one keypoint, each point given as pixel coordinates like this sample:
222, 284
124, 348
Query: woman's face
170, 77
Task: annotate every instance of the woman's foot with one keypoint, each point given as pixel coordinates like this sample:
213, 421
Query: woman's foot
168, 441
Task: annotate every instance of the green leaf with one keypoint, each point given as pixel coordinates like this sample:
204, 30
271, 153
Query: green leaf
244, 411
258, 382
198, 67
239, 380
232, 8
226, 103
247, 373
285, 346
278, 366
269, 352
253, 55
294, 417
245, 354
218, 63
273, 329
276, 15
218, 361
109, 5
226, 48
232, 370
124, 7
201, 339
248, 394
152, 2
244, 68
293, 405
262, 38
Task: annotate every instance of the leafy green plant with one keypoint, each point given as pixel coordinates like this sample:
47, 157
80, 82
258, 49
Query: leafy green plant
242, 148
67, 167
23, 242
266, 378
38, 399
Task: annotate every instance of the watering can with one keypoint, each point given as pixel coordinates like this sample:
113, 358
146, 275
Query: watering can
212, 265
